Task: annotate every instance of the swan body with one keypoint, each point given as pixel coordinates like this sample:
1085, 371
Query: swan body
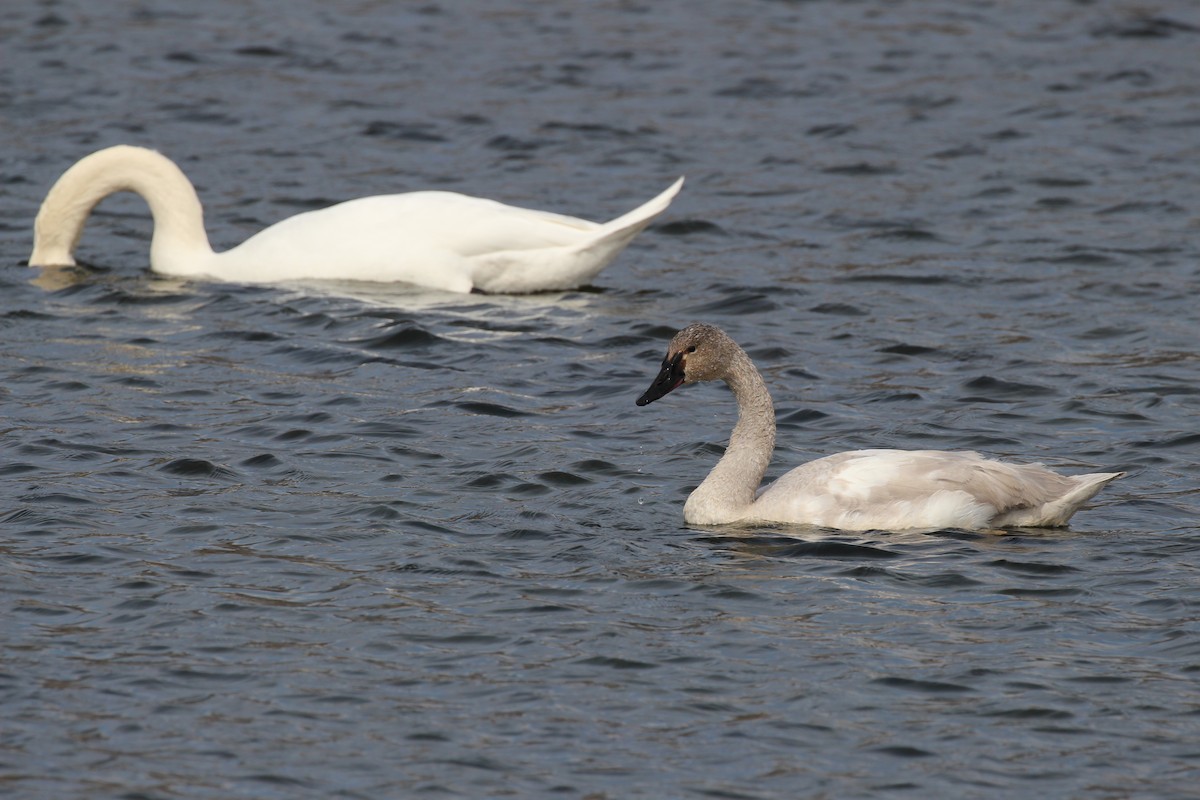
860, 489
442, 240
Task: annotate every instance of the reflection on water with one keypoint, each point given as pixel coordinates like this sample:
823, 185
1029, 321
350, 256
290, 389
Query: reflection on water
52, 279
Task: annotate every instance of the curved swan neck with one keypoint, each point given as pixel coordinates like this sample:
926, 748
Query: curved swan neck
729, 490
178, 216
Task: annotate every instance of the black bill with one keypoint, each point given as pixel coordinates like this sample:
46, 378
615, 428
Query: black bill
669, 378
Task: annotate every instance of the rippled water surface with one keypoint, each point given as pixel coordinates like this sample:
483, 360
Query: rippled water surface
359, 541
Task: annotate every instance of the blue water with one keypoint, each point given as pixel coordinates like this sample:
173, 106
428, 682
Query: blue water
357, 541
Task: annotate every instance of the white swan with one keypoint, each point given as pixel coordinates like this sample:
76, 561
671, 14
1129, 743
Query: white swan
441, 240
860, 489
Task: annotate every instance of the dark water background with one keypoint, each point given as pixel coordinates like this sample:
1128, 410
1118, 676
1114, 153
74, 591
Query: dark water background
361, 542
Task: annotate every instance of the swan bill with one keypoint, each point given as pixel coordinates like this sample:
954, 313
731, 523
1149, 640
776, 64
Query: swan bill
669, 378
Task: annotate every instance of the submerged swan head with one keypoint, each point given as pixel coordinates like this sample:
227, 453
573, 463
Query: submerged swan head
699, 352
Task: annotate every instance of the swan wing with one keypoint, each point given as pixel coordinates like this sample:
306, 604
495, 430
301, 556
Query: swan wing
438, 239
899, 489
425, 238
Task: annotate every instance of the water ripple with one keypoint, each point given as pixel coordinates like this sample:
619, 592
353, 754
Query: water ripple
336, 539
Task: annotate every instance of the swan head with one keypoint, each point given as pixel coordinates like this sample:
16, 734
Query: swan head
699, 352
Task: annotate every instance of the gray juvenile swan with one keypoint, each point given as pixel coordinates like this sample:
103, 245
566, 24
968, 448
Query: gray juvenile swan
859, 489
442, 240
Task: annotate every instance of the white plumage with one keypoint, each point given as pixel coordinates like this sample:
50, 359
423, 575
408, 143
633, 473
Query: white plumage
441, 240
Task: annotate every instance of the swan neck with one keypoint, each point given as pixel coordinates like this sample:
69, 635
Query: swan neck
179, 240
728, 492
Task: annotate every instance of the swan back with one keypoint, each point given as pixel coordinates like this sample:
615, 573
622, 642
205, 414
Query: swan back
442, 240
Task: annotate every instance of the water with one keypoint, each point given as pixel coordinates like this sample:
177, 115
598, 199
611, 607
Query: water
362, 541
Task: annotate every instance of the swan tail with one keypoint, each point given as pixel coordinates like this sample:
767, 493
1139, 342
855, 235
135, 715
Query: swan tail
1056, 512
607, 242
570, 267
641, 216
